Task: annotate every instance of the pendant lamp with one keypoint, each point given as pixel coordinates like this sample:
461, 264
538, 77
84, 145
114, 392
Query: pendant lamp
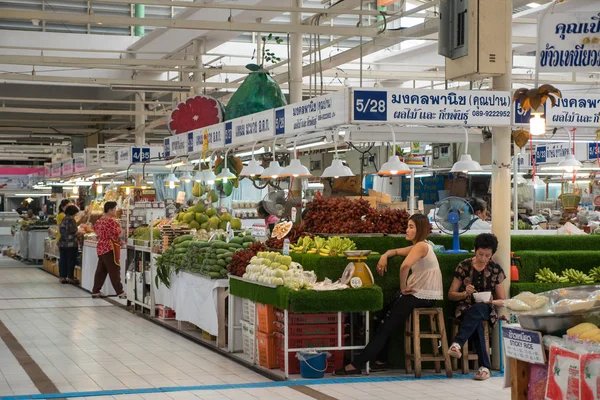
466, 164
393, 166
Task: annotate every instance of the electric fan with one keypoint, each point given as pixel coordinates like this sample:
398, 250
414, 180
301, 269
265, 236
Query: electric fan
278, 203
453, 215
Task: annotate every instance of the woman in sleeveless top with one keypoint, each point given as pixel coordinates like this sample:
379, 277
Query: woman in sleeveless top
421, 289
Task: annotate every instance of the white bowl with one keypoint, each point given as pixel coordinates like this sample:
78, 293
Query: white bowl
481, 297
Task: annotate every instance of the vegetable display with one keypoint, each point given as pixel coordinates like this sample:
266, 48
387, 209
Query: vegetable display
142, 235
294, 234
343, 215
241, 259
201, 217
275, 269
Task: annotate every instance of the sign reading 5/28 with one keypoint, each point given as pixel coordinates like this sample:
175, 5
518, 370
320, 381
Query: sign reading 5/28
370, 105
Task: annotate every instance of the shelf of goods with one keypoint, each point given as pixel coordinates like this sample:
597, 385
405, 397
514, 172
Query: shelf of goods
284, 322
553, 349
89, 261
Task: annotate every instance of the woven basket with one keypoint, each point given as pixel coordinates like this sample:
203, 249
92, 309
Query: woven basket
570, 201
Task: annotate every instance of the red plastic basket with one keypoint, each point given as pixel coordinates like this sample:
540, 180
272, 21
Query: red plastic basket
266, 318
309, 329
335, 362
308, 319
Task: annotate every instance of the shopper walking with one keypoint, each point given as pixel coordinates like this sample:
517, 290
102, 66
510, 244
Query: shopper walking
477, 274
108, 249
421, 289
68, 246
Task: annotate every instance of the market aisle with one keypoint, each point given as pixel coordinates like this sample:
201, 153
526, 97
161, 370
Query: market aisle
81, 345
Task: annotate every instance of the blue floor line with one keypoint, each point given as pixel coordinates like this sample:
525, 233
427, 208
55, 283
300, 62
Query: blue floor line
257, 385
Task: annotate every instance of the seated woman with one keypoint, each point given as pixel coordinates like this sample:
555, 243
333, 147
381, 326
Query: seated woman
421, 289
477, 274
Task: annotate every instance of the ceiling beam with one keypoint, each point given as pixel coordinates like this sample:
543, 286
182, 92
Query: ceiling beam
230, 26
60, 111
83, 101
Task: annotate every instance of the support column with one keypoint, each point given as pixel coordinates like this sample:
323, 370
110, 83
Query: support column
199, 49
296, 57
140, 12
501, 170
140, 119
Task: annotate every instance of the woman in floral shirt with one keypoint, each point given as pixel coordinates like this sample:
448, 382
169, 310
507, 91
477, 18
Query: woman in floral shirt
108, 232
477, 274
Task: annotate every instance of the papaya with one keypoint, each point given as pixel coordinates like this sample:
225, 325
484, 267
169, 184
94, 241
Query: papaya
214, 275
222, 251
249, 239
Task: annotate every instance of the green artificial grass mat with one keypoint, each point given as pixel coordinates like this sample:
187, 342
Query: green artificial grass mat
310, 301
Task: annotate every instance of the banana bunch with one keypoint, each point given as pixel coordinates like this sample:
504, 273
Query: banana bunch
595, 274
304, 245
575, 276
336, 246
544, 275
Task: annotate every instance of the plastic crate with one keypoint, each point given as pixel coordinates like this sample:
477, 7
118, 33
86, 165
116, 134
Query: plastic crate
335, 362
249, 311
307, 319
267, 354
266, 318
248, 340
309, 329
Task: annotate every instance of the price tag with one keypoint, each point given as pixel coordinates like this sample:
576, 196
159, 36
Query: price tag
259, 231
523, 345
230, 234
294, 214
180, 197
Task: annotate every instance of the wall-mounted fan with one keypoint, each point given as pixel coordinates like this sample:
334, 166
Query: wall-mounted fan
454, 215
279, 204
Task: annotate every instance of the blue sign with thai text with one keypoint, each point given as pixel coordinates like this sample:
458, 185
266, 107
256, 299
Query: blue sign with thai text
592, 151
228, 132
167, 145
540, 154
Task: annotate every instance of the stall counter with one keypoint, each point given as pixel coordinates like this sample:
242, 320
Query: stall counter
89, 261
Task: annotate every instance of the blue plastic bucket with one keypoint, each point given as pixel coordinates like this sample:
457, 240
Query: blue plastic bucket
312, 365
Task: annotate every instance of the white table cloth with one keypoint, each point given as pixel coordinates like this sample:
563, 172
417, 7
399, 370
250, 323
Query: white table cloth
89, 262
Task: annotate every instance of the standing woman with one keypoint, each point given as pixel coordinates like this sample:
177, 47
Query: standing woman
108, 232
61, 260
421, 289
68, 245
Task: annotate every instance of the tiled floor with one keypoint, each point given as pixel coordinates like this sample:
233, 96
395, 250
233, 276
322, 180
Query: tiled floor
86, 345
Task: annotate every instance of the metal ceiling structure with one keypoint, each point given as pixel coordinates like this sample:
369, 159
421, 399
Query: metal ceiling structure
62, 60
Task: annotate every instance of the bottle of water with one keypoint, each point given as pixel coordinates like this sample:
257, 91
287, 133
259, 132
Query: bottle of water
286, 247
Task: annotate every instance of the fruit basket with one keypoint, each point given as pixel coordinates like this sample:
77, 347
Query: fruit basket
558, 323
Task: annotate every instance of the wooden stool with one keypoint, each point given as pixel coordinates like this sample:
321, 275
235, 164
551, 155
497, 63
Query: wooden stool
466, 354
413, 336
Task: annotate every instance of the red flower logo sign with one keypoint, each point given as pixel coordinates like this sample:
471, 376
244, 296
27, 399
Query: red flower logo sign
194, 113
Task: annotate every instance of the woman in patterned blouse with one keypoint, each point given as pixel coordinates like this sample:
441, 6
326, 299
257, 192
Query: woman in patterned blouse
477, 274
68, 245
108, 232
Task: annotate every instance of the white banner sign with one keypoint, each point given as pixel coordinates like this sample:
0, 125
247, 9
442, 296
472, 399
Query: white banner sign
575, 111
175, 145
79, 165
320, 113
566, 42
67, 167
248, 129
523, 345
56, 169
432, 107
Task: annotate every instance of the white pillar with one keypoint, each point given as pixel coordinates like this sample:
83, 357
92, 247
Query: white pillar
140, 119
501, 169
296, 57
515, 187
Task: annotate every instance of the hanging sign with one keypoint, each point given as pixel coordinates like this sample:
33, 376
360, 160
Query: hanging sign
248, 129
56, 169
569, 42
523, 345
432, 107
592, 151
575, 111
140, 154
67, 167
320, 113
79, 165
215, 135
175, 146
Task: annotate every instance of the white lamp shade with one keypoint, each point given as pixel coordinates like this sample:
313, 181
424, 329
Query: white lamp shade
466, 164
336, 170
537, 125
252, 169
273, 172
536, 182
209, 176
171, 181
296, 169
394, 167
226, 175
570, 163
186, 177
520, 180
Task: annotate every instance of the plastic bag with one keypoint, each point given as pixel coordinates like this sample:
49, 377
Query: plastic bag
563, 374
532, 300
589, 376
516, 305
570, 229
258, 92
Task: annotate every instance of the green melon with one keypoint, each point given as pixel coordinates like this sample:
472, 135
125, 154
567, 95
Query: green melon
189, 217
201, 218
236, 224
